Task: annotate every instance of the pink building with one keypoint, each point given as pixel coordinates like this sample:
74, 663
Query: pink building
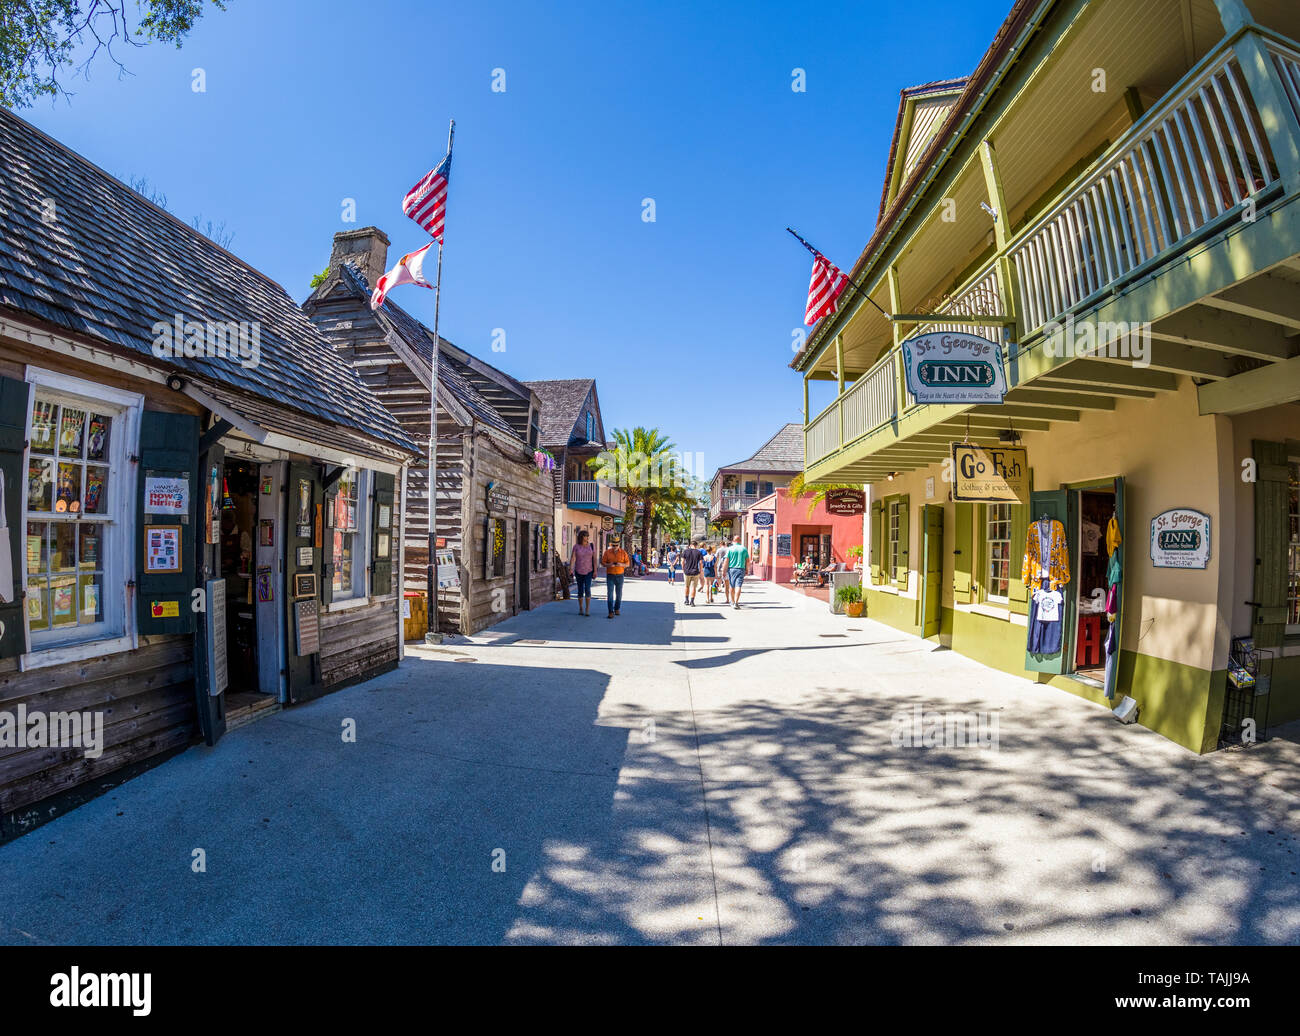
796, 534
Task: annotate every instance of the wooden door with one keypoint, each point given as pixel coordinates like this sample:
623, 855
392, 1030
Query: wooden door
522, 570
932, 552
303, 567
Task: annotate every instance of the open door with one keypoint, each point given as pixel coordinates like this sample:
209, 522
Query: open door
1112, 671
932, 579
1053, 504
303, 538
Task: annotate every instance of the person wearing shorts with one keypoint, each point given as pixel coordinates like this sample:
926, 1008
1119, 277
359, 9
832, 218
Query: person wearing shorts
692, 560
583, 563
720, 567
737, 565
709, 567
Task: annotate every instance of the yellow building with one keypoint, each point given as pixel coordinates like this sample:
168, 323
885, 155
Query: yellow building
1113, 199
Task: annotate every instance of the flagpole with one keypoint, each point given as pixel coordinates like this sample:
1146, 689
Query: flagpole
433, 635
857, 287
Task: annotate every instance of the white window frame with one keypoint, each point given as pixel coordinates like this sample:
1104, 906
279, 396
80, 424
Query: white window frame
989, 540
360, 592
893, 523
1293, 554
118, 630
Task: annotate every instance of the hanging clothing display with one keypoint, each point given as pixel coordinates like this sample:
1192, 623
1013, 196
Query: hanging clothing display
1114, 574
1047, 568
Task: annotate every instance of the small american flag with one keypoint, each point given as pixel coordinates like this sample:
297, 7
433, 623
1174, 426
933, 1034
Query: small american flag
426, 202
828, 281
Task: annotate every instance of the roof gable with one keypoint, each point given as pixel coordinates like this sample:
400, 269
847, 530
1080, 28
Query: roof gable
783, 452
922, 111
563, 403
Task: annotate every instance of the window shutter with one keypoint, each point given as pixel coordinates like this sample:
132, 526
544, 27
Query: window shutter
1016, 591
15, 404
963, 555
904, 537
877, 514
169, 445
1271, 542
381, 572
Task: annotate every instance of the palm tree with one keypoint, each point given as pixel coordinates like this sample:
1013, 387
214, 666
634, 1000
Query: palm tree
644, 465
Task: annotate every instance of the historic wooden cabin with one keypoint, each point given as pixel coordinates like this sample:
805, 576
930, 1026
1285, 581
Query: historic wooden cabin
200, 499
573, 431
494, 513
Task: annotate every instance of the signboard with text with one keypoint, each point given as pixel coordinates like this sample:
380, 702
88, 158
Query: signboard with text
1180, 538
953, 367
764, 519
846, 502
990, 474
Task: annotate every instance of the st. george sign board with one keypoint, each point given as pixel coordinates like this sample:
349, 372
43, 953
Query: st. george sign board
954, 367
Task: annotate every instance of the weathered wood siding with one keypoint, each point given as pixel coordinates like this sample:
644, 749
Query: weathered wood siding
147, 700
358, 643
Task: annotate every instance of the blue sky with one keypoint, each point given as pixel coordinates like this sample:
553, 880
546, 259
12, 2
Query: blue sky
685, 322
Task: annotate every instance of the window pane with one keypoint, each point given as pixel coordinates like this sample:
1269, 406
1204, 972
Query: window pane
90, 556
44, 417
38, 604
72, 425
38, 555
40, 484
91, 597
62, 601
97, 441
96, 485
63, 551
67, 497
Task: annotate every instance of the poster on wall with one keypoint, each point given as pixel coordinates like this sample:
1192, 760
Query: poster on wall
1180, 538
954, 367
782, 544
218, 671
212, 510
448, 573
162, 548
990, 474
167, 495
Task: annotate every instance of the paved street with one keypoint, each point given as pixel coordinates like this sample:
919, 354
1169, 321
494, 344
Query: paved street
676, 775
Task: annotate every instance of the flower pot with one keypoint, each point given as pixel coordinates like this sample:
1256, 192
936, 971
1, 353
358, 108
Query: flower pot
853, 609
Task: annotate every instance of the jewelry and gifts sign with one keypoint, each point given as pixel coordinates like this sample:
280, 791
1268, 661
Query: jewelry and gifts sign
846, 502
990, 474
950, 367
1180, 538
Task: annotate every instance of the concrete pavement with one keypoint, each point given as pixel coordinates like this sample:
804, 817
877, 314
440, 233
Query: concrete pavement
684, 775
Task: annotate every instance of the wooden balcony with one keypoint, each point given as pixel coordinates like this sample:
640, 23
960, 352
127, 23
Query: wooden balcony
1181, 222
592, 495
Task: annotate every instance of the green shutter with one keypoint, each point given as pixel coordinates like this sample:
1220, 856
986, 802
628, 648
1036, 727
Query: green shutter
877, 511
15, 405
963, 554
169, 445
904, 537
1017, 593
1271, 542
381, 573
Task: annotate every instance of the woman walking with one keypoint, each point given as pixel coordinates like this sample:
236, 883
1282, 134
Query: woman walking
583, 563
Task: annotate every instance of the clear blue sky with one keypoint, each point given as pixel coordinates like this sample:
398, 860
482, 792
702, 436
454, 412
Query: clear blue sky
605, 104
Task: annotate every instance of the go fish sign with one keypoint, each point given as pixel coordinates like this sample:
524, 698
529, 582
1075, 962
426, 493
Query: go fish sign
950, 367
990, 474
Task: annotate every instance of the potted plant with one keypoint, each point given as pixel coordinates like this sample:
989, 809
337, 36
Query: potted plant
856, 554
850, 597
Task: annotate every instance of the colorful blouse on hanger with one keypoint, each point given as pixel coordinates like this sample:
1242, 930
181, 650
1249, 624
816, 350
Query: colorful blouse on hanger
1052, 540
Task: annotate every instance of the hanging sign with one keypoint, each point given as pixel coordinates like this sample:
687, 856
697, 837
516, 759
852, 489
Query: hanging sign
498, 498
951, 367
607, 522
990, 474
846, 502
764, 519
1180, 538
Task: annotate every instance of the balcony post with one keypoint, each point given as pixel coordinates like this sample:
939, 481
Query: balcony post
900, 378
839, 377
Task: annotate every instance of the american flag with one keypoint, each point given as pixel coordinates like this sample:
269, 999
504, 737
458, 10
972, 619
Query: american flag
426, 202
828, 281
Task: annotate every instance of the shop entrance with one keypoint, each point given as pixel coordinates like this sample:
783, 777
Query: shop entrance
522, 567
810, 548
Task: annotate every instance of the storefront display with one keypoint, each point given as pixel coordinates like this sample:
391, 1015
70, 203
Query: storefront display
1046, 568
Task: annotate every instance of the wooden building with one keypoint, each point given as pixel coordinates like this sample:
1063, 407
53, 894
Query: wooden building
200, 499
494, 511
573, 430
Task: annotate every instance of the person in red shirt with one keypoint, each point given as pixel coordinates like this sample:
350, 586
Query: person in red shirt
615, 560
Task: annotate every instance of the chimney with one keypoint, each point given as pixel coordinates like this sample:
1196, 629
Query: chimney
366, 249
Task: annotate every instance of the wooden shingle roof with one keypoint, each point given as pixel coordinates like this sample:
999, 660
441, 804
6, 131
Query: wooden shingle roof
781, 453
82, 251
563, 402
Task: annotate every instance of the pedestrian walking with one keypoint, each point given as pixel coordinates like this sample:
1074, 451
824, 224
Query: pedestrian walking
720, 567
737, 566
692, 559
583, 562
709, 569
615, 560
672, 564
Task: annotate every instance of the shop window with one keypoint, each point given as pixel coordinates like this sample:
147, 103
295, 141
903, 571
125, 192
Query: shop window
766, 489
78, 512
349, 535
1293, 552
997, 536
750, 488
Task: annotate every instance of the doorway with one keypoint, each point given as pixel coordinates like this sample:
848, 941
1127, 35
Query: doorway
810, 548
932, 579
236, 565
1094, 507
522, 571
